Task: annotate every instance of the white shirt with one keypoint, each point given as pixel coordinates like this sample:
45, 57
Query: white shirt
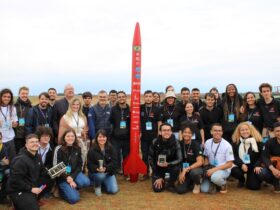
76, 122
218, 152
6, 119
43, 152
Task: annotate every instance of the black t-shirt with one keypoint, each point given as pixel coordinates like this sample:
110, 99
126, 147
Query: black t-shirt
197, 105
271, 149
195, 120
190, 151
270, 112
173, 113
43, 116
149, 117
208, 118
254, 116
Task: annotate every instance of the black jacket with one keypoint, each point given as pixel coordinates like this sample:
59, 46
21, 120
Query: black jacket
118, 115
171, 148
22, 112
110, 160
59, 109
35, 118
270, 112
3, 154
26, 169
70, 157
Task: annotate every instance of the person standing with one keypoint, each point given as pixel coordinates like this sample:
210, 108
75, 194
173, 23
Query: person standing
8, 121
185, 98
23, 104
87, 99
150, 122
120, 119
196, 101
113, 98
53, 96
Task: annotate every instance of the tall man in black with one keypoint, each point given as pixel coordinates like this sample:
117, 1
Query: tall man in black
164, 157
150, 122
120, 119
23, 185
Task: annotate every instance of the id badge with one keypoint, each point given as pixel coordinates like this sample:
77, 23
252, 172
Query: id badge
123, 124
193, 136
149, 126
6, 125
21, 121
246, 158
68, 169
231, 117
186, 165
249, 122
215, 163
47, 125
265, 139
170, 122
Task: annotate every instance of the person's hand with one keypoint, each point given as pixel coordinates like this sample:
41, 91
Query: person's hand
182, 177
101, 170
73, 184
163, 165
14, 124
69, 179
276, 173
244, 168
210, 172
158, 183
258, 170
5, 161
36, 190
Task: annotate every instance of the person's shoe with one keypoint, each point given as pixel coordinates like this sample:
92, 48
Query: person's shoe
212, 188
196, 189
127, 177
240, 184
56, 192
120, 172
223, 188
144, 177
170, 188
276, 188
97, 191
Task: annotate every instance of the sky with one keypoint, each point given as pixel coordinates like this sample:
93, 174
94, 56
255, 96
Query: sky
192, 43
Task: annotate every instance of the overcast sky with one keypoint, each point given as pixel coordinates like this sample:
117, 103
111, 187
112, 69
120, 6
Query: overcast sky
193, 43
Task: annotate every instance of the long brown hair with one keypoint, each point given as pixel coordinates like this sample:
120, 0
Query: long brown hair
236, 102
63, 142
245, 105
95, 144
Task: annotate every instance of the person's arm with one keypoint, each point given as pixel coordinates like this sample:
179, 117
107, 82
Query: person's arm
237, 160
179, 155
111, 168
151, 156
91, 165
266, 154
202, 136
55, 118
91, 123
79, 165
29, 122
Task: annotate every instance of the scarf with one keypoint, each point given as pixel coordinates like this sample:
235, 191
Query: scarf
246, 144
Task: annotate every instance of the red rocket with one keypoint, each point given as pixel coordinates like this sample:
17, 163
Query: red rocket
133, 165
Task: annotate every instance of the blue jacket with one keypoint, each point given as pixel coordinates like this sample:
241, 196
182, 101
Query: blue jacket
35, 118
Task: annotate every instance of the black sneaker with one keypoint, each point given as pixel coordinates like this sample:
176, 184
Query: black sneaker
223, 189
276, 188
240, 184
212, 188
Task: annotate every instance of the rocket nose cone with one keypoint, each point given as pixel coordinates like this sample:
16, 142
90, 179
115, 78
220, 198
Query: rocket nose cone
137, 36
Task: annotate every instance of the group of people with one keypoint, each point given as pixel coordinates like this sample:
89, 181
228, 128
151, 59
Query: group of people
187, 144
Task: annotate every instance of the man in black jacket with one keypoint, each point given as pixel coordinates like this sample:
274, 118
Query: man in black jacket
164, 157
61, 106
120, 119
26, 169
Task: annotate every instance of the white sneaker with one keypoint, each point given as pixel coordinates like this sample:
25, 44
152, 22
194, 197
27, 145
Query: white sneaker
97, 191
196, 189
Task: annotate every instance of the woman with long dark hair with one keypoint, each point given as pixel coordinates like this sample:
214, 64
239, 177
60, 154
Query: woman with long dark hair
102, 164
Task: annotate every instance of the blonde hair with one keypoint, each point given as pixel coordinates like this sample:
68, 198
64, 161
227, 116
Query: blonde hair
69, 112
253, 132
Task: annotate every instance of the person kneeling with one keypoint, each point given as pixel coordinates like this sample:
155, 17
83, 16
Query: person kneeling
218, 161
192, 163
164, 157
70, 154
102, 164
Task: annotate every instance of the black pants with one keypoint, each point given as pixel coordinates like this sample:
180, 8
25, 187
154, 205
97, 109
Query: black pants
194, 176
252, 182
24, 201
10, 145
160, 173
145, 145
122, 148
46, 180
19, 143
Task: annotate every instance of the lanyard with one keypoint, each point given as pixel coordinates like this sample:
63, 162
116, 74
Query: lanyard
45, 150
251, 114
231, 107
190, 118
216, 148
5, 116
45, 116
245, 147
122, 113
69, 157
170, 114
186, 155
21, 110
76, 120
148, 112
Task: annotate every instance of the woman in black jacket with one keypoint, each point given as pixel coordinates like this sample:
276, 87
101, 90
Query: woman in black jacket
70, 154
102, 164
247, 147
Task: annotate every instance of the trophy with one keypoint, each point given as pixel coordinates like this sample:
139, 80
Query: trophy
57, 170
100, 164
162, 158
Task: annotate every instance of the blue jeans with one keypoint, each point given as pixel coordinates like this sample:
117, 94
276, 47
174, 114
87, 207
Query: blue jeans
71, 195
267, 176
109, 181
217, 178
